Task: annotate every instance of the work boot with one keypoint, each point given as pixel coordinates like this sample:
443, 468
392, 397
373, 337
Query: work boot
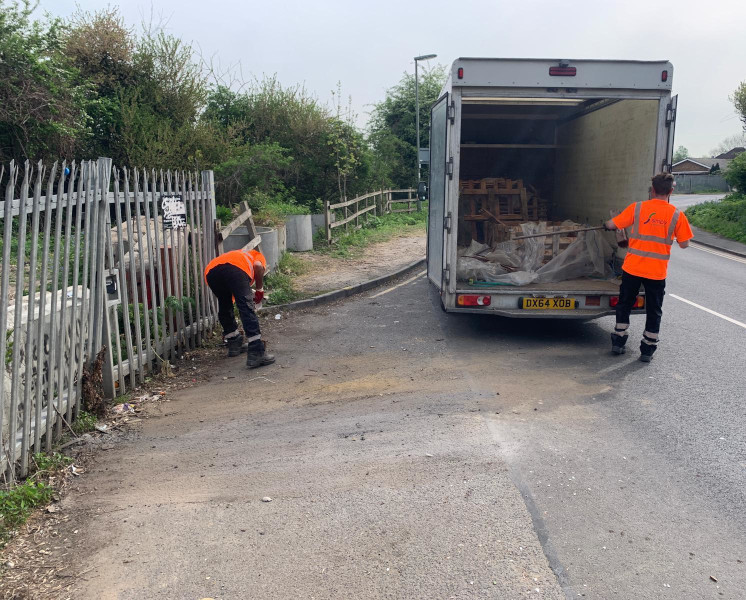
256, 355
647, 351
618, 342
235, 344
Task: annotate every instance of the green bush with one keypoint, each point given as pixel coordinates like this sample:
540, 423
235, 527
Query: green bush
726, 217
735, 174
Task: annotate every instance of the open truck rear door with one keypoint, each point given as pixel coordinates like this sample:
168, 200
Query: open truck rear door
671, 124
436, 230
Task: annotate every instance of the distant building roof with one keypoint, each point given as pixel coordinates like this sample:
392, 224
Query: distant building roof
699, 165
732, 153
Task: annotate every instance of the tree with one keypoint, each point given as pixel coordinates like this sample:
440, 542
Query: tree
732, 141
392, 131
680, 154
739, 101
735, 173
41, 109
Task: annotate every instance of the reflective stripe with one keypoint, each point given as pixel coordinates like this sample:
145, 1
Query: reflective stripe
672, 226
636, 224
653, 238
254, 338
648, 254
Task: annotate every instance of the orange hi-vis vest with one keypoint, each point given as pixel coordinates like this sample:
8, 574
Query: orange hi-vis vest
243, 259
655, 224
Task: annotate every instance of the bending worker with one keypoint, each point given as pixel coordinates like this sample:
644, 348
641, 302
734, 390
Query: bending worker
230, 276
655, 223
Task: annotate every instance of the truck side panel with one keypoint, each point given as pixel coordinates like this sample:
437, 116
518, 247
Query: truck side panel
605, 160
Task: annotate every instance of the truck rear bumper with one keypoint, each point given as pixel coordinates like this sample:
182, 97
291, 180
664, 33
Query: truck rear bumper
578, 313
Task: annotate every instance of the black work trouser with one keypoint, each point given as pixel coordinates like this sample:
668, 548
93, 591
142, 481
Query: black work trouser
228, 282
655, 289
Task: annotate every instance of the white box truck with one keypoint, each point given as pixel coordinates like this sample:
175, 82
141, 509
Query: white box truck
587, 134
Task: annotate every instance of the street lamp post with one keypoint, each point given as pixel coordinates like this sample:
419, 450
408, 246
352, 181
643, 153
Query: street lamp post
417, 116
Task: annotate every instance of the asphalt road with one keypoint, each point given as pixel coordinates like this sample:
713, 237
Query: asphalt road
414, 454
684, 201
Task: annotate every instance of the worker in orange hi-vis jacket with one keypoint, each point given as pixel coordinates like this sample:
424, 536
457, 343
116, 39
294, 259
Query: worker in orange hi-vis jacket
230, 277
655, 224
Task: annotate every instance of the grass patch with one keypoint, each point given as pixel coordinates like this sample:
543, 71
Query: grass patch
17, 503
274, 213
726, 217
279, 283
376, 230
84, 423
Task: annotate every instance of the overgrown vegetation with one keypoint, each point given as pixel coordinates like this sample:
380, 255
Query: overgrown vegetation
84, 423
279, 283
377, 229
91, 85
17, 503
726, 217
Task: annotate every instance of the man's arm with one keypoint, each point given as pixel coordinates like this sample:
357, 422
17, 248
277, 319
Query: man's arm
259, 275
610, 225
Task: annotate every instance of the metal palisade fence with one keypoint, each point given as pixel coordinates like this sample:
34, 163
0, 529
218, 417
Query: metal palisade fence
97, 262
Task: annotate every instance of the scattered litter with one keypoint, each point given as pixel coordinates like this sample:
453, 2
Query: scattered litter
53, 508
76, 470
10, 564
102, 427
266, 499
278, 317
429, 455
713, 577
123, 409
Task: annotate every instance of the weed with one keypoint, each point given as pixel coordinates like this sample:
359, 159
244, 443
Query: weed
84, 423
279, 284
224, 214
50, 463
16, 504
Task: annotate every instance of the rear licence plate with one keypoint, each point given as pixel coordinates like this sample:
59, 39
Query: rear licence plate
548, 303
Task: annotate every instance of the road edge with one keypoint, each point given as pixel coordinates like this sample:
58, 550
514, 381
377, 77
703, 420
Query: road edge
344, 292
719, 248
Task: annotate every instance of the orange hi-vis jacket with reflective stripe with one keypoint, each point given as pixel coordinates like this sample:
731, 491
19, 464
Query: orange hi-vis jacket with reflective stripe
243, 259
655, 223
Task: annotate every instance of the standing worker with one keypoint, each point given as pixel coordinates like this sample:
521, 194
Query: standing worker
230, 276
655, 223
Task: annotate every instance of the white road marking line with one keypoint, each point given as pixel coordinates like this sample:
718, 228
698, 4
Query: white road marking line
716, 253
391, 289
707, 310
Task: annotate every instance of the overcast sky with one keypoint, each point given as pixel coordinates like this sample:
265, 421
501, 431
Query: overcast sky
368, 45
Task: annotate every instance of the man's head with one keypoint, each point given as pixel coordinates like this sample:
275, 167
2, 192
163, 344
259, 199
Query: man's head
663, 185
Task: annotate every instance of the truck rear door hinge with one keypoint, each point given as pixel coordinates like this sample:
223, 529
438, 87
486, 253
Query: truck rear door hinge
449, 168
452, 112
670, 115
447, 273
447, 222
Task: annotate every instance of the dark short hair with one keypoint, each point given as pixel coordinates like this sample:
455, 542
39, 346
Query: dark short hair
663, 184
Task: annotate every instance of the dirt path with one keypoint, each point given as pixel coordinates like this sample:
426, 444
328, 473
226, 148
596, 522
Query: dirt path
326, 273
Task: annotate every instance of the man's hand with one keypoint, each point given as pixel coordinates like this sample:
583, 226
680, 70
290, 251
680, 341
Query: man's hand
609, 226
258, 297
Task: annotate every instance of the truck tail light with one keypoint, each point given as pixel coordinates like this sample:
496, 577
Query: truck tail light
639, 303
664, 76
461, 72
469, 300
562, 71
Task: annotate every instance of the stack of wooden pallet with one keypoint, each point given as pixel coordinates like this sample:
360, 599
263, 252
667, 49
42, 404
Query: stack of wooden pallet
494, 200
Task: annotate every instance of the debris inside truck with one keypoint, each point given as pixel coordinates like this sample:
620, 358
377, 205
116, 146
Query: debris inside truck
494, 211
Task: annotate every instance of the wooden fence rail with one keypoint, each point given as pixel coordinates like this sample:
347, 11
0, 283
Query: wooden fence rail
375, 203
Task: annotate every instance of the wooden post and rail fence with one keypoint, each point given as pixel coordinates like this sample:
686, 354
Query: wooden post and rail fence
357, 212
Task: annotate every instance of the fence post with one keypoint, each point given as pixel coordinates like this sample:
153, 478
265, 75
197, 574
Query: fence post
101, 324
328, 222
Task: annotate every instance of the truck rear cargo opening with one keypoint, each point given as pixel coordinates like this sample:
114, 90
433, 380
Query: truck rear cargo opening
517, 151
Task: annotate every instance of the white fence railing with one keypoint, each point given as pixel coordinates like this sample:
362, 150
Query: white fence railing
107, 261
